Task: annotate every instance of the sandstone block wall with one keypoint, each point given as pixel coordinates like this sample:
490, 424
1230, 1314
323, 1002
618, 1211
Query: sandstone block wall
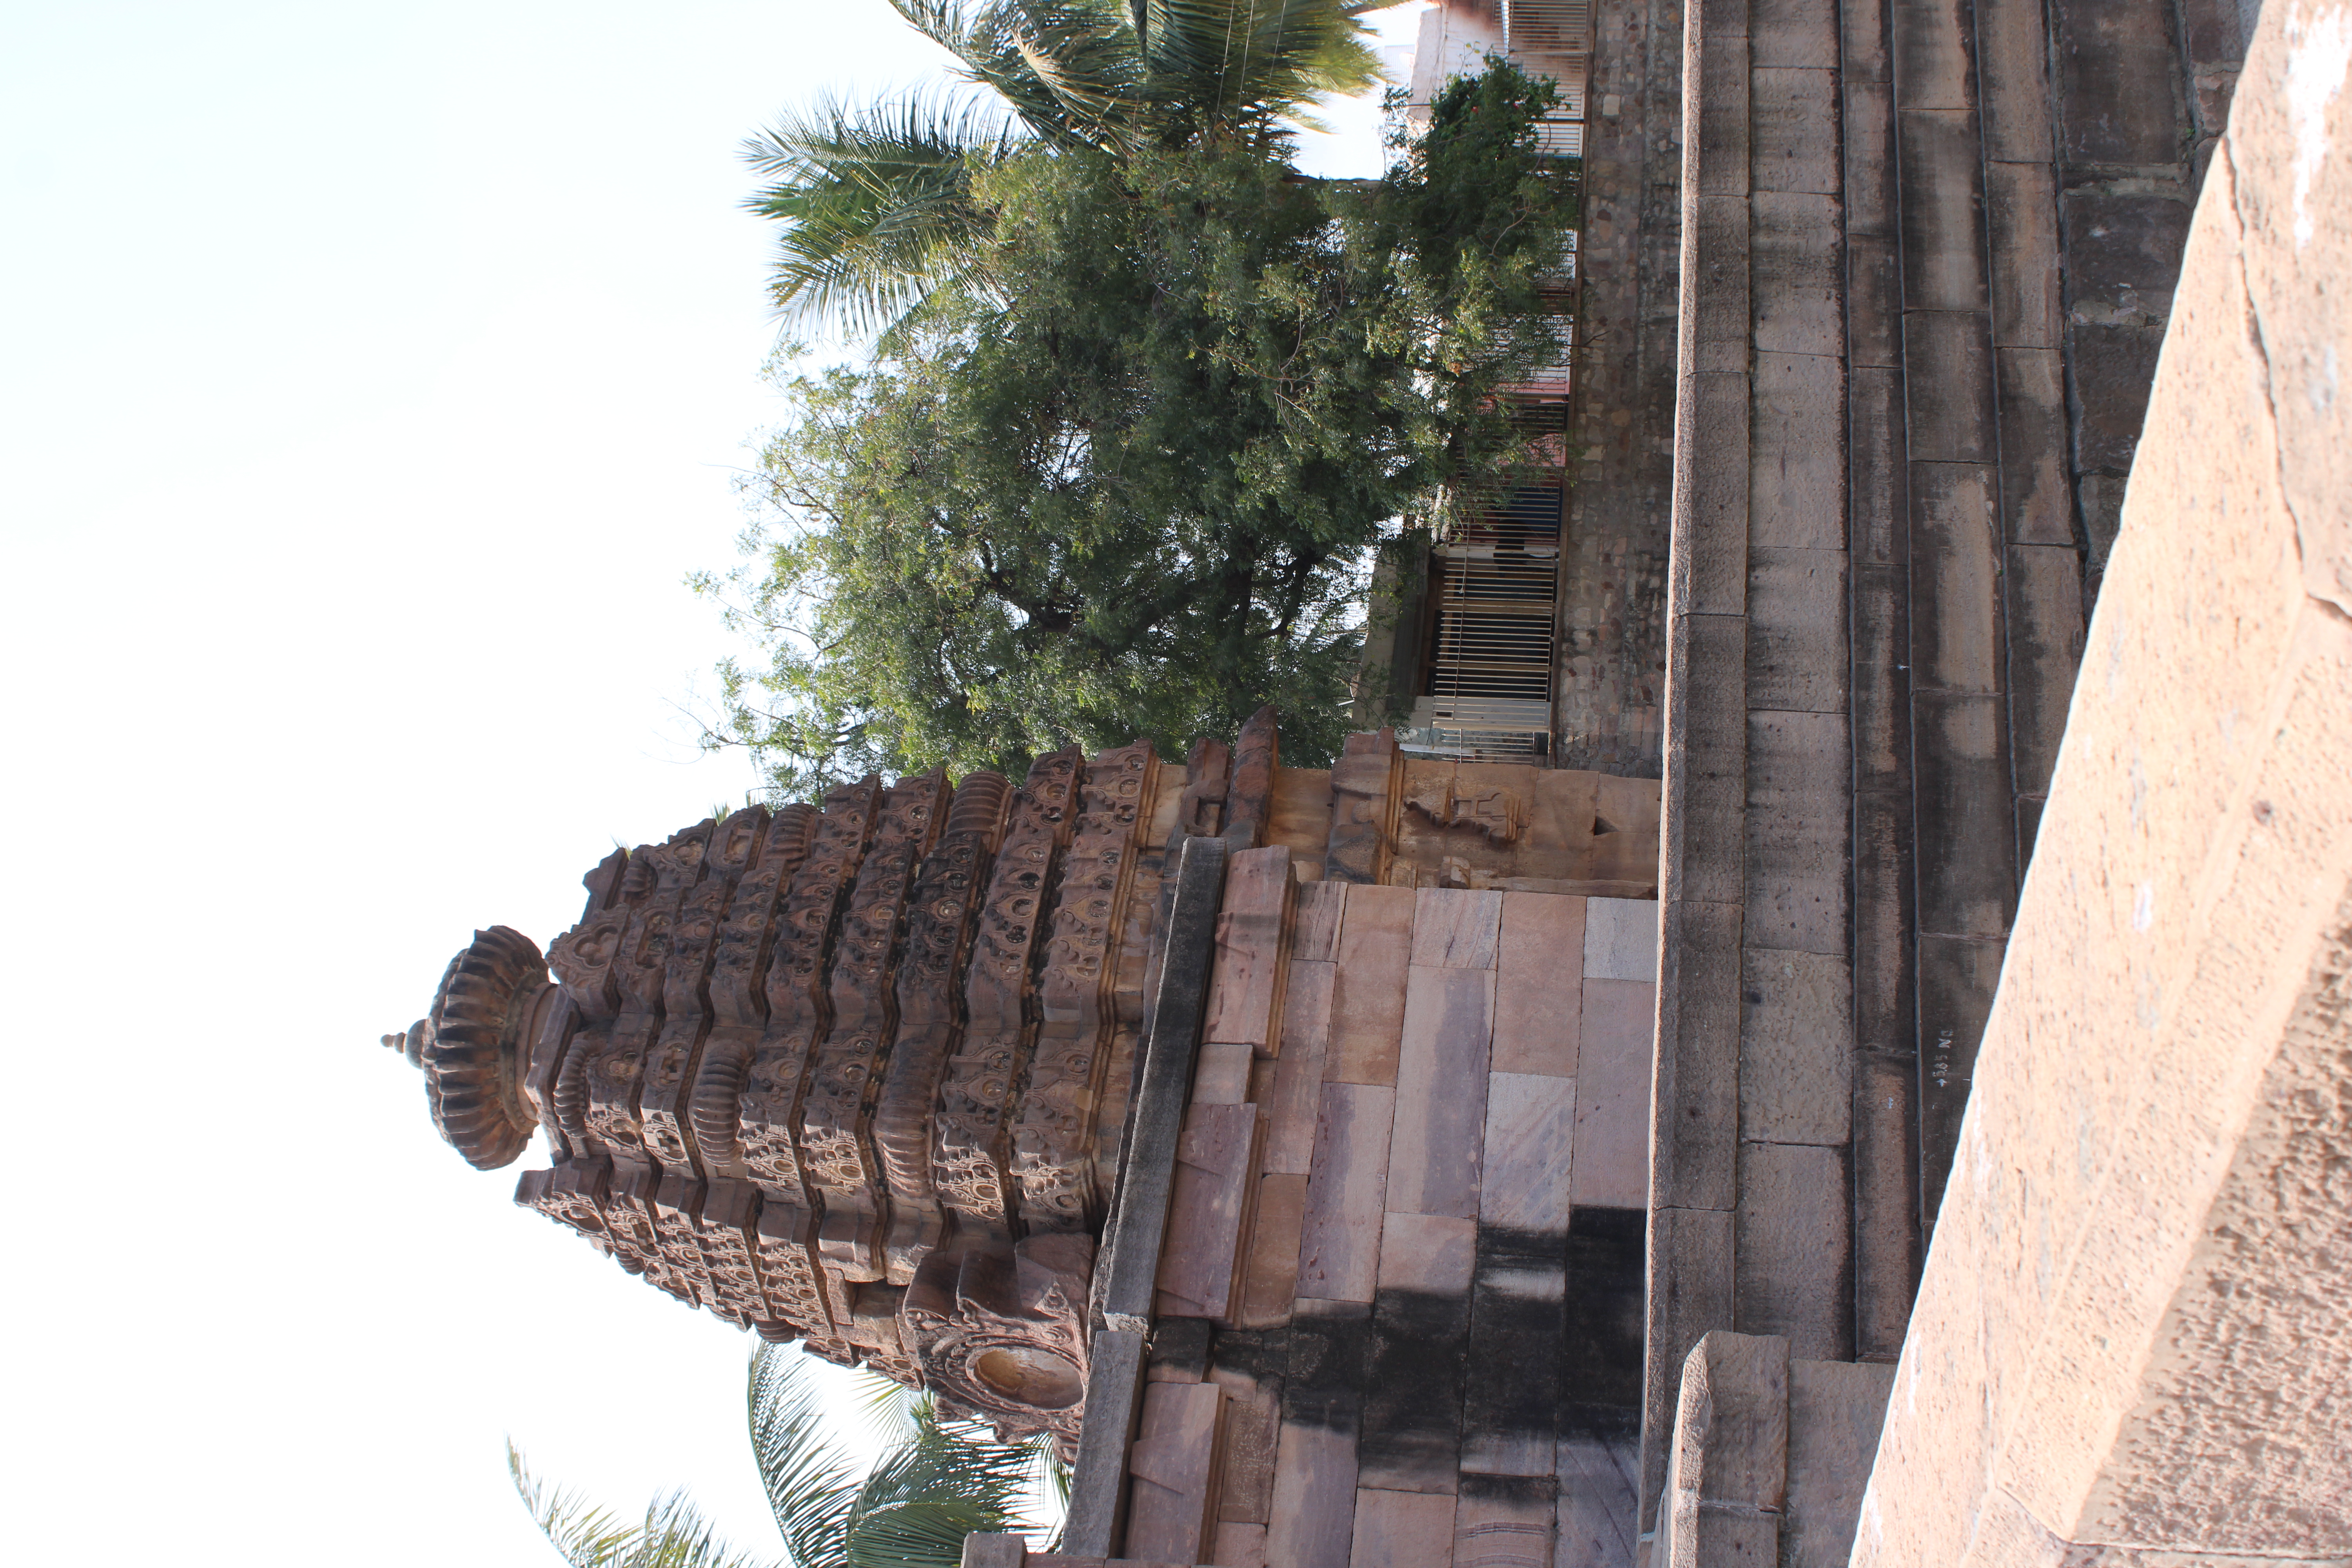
1926, 249
1610, 694
1399, 1304
2131, 1332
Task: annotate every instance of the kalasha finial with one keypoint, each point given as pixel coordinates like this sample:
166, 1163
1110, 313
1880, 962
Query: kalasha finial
473, 1047
409, 1043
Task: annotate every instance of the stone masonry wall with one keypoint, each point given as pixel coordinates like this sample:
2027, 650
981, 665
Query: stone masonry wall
1929, 248
2129, 1344
1611, 687
1399, 1306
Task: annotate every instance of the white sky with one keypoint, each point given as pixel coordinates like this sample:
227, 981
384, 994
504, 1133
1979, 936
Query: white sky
369, 377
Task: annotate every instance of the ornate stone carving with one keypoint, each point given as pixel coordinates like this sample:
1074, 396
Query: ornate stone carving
570, 1192
1002, 1333
676, 1210
740, 965
940, 915
1500, 814
730, 1235
836, 1155
473, 1045
564, 1018
606, 1064
1052, 1143
969, 1149
815, 1072
771, 1076
669, 1073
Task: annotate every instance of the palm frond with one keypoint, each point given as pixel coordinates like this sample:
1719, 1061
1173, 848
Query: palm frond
673, 1535
892, 1412
877, 201
875, 204
811, 1484
921, 1501
1249, 59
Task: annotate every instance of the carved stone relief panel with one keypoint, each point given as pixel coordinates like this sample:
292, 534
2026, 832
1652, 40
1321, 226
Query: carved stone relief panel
667, 1080
815, 1070
941, 917
1002, 1332
612, 1062
740, 965
729, 1233
969, 1144
1052, 1144
772, 1078
836, 1154
562, 1022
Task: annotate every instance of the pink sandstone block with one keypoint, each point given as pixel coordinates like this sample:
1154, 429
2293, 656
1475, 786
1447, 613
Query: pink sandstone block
1340, 1243
1455, 928
1221, 1074
1428, 1252
1504, 1525
1621, 939
1368, 991
1246, 986
1441, 1099
1612, 1158
1314, 1517
1530, 1148
1539, 983
1273, 1266
1402, 1530
1315, 912
1298, 1075
1241, 1546
1171, 1512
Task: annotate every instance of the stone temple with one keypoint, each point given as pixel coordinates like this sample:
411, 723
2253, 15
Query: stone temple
860, 1075
1822, 1035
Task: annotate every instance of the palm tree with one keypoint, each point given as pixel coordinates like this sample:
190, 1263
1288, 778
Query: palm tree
878, 199
937, 1482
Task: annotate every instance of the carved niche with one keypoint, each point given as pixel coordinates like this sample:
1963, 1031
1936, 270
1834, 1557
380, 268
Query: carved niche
1002, 1332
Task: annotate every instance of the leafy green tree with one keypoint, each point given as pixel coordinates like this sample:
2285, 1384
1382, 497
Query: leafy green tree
1137, 495
879, 202
936, 1483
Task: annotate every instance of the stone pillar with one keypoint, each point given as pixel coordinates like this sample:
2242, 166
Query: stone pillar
1767, 1456
2130, 1336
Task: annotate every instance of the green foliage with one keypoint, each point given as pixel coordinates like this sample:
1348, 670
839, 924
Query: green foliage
673, 1533
1137, 495
936, 1483
878, 202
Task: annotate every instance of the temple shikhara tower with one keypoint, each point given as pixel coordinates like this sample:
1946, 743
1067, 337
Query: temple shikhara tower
1811, 1028
864, 1075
